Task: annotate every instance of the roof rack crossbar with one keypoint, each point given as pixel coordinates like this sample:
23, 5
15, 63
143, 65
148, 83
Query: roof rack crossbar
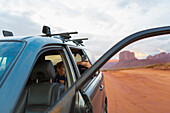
65, 37
78, 41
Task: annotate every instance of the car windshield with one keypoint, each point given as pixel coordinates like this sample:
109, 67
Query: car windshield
8, 52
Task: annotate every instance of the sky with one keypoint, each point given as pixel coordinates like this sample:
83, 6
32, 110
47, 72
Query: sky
104, 22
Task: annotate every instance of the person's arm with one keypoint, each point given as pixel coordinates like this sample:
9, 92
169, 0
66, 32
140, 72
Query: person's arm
86, 63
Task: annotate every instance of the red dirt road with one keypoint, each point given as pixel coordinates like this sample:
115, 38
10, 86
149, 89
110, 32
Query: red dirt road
138, 91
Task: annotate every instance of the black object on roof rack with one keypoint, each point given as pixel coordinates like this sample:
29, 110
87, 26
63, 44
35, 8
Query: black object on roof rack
7, 33
46, 30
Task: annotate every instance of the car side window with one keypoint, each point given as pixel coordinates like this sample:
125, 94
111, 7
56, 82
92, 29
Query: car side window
90, 56
81, 59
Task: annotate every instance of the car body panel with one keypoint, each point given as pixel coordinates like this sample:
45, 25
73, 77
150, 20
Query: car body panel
66, 103
96, 94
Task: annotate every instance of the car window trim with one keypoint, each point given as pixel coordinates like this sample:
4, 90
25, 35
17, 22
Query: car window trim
78, 75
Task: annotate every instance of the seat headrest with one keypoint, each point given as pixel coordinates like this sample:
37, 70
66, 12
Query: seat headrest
43, 70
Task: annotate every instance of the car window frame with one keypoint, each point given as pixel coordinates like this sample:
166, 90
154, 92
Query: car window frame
85, 87
75, 67
66, 60
74, 61
91, 60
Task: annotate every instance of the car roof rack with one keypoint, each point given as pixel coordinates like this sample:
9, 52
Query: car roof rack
65, 37
46, 30
7, 33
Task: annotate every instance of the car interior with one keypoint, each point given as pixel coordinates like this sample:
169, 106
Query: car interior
79, 57
41, 91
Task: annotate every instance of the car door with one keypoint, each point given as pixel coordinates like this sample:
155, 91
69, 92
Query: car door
94, 87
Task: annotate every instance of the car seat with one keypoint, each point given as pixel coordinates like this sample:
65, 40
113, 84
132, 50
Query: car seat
43, 94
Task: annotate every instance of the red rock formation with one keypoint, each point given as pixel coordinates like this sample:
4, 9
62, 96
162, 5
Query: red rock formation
149, 57
109, 64
127, 59
162, 55
168, 55
126, 55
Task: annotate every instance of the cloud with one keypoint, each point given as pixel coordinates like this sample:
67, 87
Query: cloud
95, 15
19, 25
161, 50
103, 22
150, 46
140, 54
146, 3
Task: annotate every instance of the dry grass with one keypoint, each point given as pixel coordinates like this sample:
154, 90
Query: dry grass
154, 66
159, 66
167, 65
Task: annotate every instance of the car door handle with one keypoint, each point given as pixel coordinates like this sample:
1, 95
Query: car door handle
101, 87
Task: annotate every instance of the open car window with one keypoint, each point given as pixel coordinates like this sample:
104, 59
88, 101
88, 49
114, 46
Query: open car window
54, 58
59, 67
81, 60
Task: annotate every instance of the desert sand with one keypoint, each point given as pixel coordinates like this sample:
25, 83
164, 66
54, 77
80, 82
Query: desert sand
138, 91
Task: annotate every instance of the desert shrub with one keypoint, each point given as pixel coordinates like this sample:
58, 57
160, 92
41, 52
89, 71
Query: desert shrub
149, 66
154, 65
160, 64
167, 65
104, 70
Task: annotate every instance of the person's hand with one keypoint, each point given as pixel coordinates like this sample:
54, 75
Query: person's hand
86, 63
